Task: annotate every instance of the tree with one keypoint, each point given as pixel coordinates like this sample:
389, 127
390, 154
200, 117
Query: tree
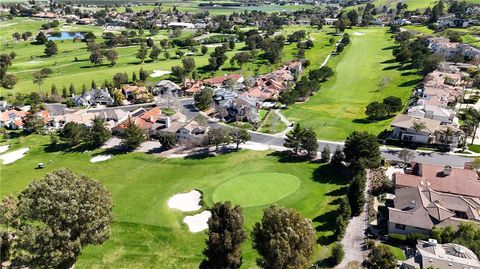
406, 155
239, 136
96, 57
466, 234
9, 81
119, 79
418, 126
203, 99
325, 156
178, 72
72, 133
217, 136
41, 38
166, 54
242, 58
142, 52
376, 110
167, 140
33, 121
283, 239
331, 41
43, 239
381, 257
50, 48
309, 142
143, 75
362, 148
356, 193
5, 62
393, 104
294, 138
337, 254
111, 56
154, 53
133, 136
40, 76
134, 77
337, 157
98, 134
204, 50
226, 233
352, 15
188, 64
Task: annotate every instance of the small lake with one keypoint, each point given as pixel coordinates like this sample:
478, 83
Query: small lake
65, 35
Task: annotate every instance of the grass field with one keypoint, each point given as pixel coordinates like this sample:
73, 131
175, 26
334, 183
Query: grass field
364, 72
66, 69
145, 232
412, 4
256, 189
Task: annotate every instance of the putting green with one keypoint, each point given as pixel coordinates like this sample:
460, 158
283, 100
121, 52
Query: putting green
256, 189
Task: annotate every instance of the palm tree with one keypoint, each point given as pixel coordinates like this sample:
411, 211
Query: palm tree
472, 118
447, 134
418, 126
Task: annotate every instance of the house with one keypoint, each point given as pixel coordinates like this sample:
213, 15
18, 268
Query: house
166, 86
184, 25
451, 21
444, 115
191, 132
94, 97
425, 131
86, 21
218, 81
12, 119
3, 105
419, 209
144, 119
192, 87
452, 180
430, 254
137, 94
448, 49
46, 15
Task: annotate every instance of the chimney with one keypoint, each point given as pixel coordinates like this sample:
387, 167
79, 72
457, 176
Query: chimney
150, 119
432, 242
167, 122
447, 170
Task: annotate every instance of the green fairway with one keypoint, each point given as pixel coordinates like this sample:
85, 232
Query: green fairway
256, 189
72, 65
364, 72
146, 233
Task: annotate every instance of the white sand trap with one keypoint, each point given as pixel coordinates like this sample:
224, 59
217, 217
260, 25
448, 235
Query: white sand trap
13, 156
254, 146
34, 62
4, 148
358, 33
214, 45
199, 222
186, 202
100, 158
159, 73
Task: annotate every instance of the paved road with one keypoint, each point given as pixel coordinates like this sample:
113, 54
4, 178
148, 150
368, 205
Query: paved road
190, 111
387, 153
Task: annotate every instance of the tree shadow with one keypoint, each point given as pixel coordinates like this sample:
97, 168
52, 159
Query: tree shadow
411, 83
389, 48
231, 69
408, 73
287, 156
391, 61
337, 192
94, 66
326, 220
392, 67
330, 174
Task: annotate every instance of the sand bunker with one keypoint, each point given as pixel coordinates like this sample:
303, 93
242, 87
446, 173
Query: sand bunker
254, 146
159, 73
4, 148
199, 222
358, 33
186, 202
100, 158
214, 45
13, 156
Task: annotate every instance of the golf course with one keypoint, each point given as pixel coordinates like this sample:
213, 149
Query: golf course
146, 232
364, 72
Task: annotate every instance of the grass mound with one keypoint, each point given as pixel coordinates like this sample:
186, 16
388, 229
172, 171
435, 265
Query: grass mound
257, 189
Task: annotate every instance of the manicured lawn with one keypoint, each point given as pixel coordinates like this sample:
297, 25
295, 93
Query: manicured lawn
272, 124
474, 148
145, 232
412, 4
364, 72
399, 253
72, 65
256, 189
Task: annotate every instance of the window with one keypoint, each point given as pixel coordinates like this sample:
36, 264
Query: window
408, 137
400, 226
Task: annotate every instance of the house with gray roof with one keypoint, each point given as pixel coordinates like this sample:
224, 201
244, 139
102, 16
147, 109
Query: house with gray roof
94, 97
418, 210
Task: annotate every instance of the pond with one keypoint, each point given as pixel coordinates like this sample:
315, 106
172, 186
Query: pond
65, 35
